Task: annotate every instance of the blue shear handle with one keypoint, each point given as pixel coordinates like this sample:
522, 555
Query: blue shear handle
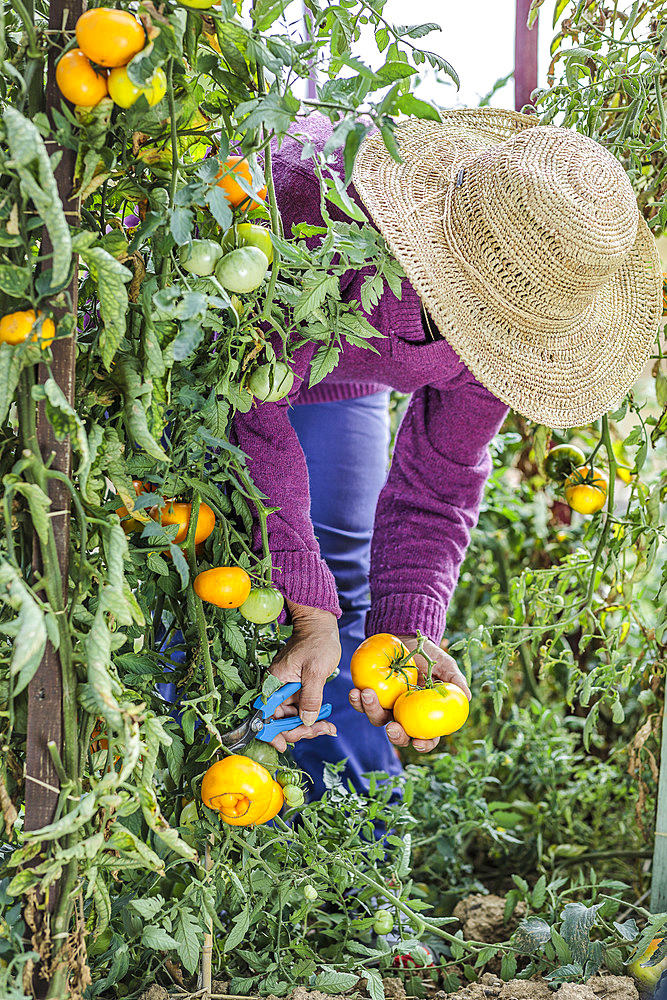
276, 726
268, 707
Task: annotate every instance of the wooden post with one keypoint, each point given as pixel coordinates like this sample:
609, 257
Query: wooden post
659, 873
45, 692
525, 56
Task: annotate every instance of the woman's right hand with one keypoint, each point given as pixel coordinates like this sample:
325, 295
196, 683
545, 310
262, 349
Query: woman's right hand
310, 656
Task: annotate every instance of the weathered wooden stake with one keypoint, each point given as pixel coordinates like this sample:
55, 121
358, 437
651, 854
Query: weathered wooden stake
45, 693
525, 56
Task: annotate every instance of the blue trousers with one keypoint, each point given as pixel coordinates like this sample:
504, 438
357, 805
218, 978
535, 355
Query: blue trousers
346, 448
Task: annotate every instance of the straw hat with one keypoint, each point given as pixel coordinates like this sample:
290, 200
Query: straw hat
527, 248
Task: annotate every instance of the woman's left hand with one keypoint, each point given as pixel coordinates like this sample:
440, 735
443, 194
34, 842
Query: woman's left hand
444, 669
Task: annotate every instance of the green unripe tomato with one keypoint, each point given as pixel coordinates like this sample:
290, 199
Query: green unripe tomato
242, 270
311, 893
269, 383
200, 257
262, 753
285, 777
262, 605
384, 922
562, 459
294, 796
248, 234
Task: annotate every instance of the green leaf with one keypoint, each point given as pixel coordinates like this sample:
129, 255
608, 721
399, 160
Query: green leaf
575, 929
562, 947
374, 984
189, 936
314, 293
238, 931
27, 148
157, 939
411, 105
531, 934
233, 636
332, 981
110, 276
325, 360
148, 907
63, 418
508, 967
30, 641
11, 363
134, 411
14, 280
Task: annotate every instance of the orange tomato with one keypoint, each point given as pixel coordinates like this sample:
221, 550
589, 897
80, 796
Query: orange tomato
179, 513
586, 490
78, 82
432, 712
227, 181
224, 586
373, 666
272, 810
239, 788
109, 37
16, 327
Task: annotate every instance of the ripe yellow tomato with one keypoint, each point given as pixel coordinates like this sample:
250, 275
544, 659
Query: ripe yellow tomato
109, 37
274, 807
624, 473
432, 712
649, 976
78, 82
123, 92
179, 513
586, 490
239, 788
236, 196
373, 666
15, 328
224, 586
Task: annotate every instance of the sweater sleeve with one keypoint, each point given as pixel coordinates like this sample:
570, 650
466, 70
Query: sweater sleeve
278, 469
429, 505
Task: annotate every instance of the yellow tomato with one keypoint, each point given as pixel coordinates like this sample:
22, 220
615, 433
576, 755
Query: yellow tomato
432, 712
77, 80
239, 788
124, 93
109, 37
179, 513
648, 976
374, 665
16, 327
586, 490
224, 586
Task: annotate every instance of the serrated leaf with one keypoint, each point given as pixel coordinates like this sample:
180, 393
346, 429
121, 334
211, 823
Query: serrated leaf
508, 967
531, 934
324, 361
233, 636
188, 933
30, 641
238, 931
148, 907
332, 981
157, 939
26, 147
110, 276
313, 295
374, 984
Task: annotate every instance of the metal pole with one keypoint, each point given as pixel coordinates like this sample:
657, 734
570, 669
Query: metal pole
525, 56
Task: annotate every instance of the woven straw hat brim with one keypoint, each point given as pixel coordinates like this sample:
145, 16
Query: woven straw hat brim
562, 375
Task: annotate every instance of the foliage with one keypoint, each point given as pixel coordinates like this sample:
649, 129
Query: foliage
162, 363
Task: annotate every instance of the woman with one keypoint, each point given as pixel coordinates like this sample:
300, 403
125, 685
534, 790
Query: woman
532, 282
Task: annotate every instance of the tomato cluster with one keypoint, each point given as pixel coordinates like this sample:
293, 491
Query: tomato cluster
585, 487
384, 664
16, 327
107, 38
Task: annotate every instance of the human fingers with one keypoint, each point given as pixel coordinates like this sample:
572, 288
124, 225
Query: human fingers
366, 701
281, 741
445, 669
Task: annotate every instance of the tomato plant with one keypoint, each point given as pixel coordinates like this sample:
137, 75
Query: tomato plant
141, 367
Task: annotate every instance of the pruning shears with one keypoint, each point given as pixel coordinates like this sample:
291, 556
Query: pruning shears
262, 726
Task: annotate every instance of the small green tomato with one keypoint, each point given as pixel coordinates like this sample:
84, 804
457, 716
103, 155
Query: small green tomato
263, 605
200, 257
242, 270
248, 234
384, 922
311, 893
294, 796
269, 383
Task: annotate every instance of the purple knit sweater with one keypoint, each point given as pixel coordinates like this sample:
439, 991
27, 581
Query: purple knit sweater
431, 499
